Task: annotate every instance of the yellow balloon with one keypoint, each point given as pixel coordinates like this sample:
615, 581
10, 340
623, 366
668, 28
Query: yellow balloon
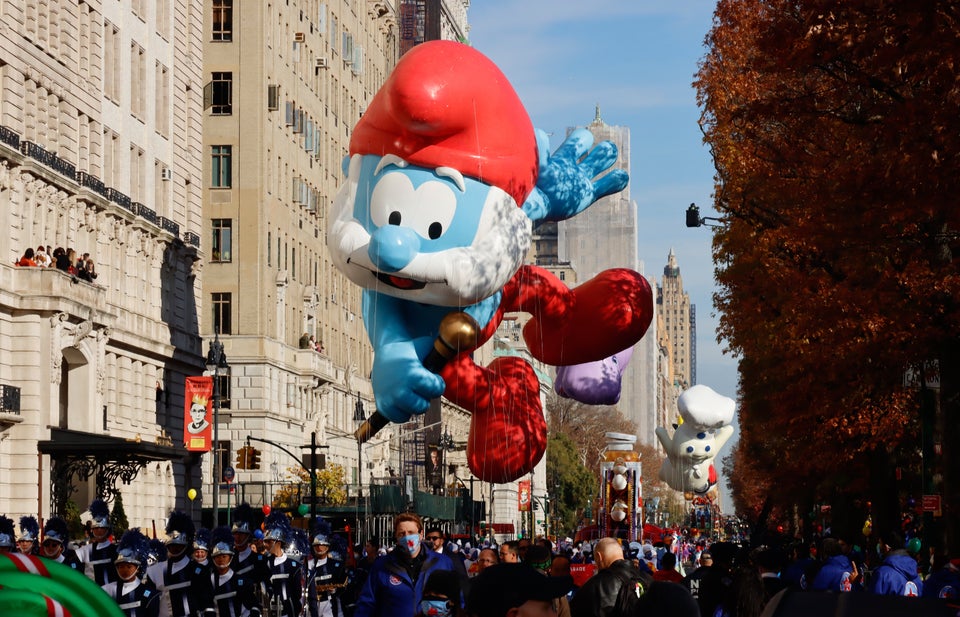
192, 494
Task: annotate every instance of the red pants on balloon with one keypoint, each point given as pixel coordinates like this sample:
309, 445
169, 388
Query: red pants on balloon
605, 315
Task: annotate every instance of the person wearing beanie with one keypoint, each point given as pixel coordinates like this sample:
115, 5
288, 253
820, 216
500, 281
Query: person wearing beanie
99, 554
540, 558
897, 575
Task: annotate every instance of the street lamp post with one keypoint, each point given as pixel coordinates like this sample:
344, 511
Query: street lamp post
360, 416
216, 362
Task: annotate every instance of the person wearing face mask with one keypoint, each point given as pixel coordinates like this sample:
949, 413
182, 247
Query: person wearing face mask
441, 595
395, 585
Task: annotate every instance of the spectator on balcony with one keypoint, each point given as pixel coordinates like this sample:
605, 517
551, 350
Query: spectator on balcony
27, 259
71, 262
42, 257
306, 341
60, 259
88, 271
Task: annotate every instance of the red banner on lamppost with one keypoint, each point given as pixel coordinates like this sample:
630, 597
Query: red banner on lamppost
198, 405
523, 495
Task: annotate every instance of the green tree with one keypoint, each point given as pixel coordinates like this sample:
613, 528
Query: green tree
118, 517
573, 485
71, 514
331, 487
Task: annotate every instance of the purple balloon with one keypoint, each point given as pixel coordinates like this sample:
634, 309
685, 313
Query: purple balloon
593, 383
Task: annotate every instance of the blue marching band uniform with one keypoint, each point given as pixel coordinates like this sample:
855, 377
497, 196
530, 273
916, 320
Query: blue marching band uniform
198, 573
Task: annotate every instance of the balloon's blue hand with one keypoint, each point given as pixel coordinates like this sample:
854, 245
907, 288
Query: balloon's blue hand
565, 184
401, 385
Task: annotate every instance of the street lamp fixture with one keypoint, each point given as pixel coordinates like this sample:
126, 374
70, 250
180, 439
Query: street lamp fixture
695, 220
216, 365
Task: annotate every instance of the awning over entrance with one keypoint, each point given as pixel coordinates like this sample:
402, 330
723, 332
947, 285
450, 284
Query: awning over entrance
77, 455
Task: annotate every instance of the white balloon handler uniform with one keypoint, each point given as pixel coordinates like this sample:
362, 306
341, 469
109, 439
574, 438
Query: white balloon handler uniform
704, 428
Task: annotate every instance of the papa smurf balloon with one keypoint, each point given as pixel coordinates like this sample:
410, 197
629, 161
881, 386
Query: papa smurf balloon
445, 179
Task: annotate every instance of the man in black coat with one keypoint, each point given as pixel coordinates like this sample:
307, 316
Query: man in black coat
598, 596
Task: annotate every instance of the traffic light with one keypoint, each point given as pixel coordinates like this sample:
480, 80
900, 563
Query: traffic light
254, 461
242, 457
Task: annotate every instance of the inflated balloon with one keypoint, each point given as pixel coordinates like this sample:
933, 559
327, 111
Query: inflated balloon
30, 585
258, 534
593, 383
266, 510
192, 494
445, 180
303, 509
691, 449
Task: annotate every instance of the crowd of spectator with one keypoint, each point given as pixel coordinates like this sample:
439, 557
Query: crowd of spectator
62, 259
308, 342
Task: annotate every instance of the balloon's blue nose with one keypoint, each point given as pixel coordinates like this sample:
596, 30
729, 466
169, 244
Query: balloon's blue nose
393, 247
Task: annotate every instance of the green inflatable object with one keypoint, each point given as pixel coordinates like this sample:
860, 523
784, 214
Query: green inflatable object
27, 582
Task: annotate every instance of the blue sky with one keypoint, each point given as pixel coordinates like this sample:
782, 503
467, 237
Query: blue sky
637, 60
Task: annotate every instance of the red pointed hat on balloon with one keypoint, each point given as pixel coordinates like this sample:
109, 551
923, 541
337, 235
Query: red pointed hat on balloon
445, 180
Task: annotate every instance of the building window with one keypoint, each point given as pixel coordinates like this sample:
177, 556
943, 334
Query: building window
222, 305
222, 240
221, 167
222, 93
222, 20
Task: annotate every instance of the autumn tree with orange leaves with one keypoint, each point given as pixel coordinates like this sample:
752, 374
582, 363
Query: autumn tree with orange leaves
835, 136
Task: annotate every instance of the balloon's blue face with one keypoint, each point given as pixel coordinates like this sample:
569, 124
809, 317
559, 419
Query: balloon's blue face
433, 236
440, 206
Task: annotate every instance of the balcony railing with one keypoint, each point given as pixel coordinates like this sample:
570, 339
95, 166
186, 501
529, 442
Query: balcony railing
141, 210
121, 199
192, 239
9, 137
93, 183
170, 226
49, 159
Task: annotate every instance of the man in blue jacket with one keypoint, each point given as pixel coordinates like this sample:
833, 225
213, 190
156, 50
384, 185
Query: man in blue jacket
838, 572
897, 575
395, 585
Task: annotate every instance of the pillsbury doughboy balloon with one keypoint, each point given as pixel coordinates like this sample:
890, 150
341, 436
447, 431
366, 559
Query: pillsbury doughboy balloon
691, 450
445, 179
